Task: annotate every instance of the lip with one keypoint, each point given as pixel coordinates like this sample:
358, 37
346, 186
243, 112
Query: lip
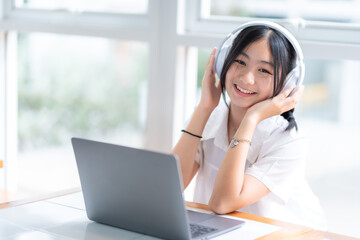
241, 93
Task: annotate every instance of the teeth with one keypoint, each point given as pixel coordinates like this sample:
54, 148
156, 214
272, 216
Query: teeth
243, 90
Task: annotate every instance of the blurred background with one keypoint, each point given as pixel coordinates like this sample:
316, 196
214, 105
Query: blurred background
117, 71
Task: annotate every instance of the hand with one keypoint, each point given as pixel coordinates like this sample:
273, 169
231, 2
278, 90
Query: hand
276, 105
210, 92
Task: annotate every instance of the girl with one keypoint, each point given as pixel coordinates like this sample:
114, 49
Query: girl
248, 153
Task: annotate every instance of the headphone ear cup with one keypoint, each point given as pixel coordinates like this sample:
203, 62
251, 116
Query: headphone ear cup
291, 79
220, 59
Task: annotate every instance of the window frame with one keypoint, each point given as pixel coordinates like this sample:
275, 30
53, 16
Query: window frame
341, 40
2, 111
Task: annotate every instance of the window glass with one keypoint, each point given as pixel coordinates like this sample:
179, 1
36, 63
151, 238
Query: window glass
75, 86
314, 10
119, 6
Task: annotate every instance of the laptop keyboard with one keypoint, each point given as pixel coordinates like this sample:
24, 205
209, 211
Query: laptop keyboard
199, 230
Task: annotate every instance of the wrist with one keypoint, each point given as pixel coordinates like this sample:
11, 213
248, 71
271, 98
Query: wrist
253, 118
247, 127
204, 109
198, 120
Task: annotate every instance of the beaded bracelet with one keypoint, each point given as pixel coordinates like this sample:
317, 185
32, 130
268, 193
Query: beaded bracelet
235, 141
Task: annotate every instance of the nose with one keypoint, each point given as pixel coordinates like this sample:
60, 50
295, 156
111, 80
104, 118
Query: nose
248, 78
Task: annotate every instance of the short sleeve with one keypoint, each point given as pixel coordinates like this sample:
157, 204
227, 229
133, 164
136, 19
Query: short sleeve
281, 163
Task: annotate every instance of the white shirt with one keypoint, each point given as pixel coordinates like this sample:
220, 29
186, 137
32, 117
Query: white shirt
276, 158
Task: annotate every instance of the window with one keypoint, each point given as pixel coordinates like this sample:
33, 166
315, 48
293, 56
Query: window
114, 6
330, 117
90, 87
311, 10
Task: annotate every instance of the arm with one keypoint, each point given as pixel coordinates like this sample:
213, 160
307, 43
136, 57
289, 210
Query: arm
187, 146
232, 188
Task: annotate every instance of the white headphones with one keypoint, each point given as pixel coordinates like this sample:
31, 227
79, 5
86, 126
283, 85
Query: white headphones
296, 76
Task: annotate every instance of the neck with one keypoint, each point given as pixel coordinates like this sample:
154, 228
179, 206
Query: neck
236, 115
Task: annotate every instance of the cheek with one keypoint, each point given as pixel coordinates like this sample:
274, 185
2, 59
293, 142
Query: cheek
268, 88
227, 81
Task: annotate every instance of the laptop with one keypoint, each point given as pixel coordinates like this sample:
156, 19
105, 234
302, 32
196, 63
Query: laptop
140, 191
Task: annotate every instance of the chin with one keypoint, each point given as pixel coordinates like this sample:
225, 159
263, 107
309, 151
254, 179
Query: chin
241, 104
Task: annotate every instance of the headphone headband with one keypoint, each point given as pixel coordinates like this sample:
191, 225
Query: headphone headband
277, 27
227, 42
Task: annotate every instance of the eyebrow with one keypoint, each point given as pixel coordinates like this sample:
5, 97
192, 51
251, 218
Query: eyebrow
262, 61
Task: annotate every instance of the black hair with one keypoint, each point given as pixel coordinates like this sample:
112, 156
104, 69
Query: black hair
283, 53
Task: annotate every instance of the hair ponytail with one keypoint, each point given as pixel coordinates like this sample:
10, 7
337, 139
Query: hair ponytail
289, 116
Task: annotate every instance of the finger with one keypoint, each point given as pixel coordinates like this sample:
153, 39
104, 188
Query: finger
211, 58
209, 70
219, 85
214, 51
287, 91
291, 101
298, 92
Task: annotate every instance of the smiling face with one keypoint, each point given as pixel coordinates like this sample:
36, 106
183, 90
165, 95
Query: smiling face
250, 78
